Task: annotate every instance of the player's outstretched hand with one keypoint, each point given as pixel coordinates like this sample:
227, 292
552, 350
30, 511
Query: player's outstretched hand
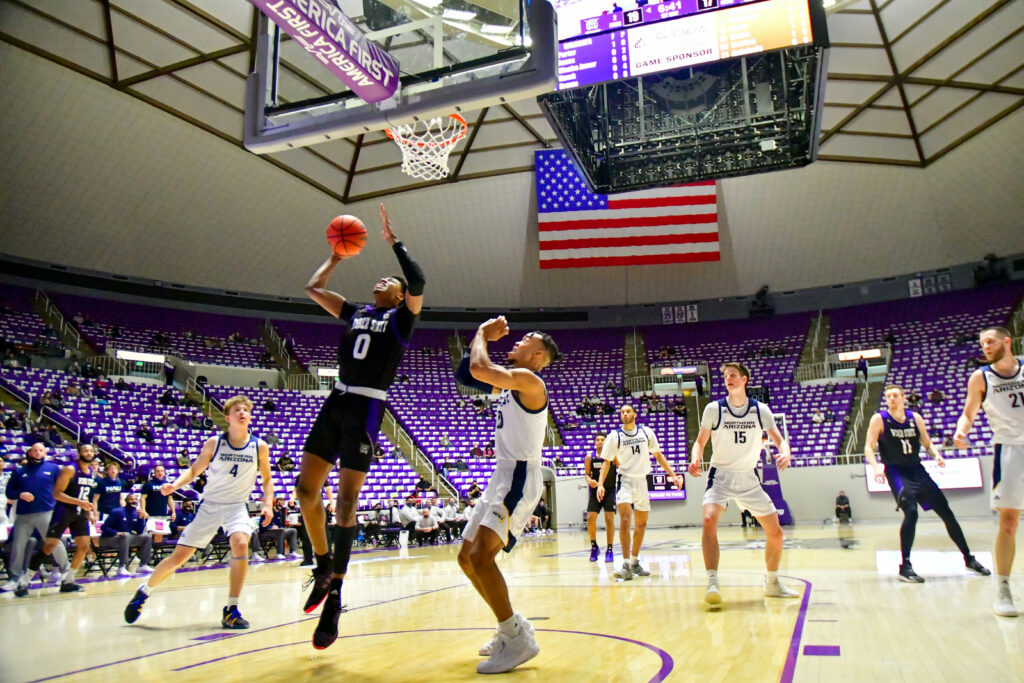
600, 494
386, 232
781, 461
879, 475
495, 328
694, 468
268, 515
940, 461
167, 489
591, 482
678, 479
960, 440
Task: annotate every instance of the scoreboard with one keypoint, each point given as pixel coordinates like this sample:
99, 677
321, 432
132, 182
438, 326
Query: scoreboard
675, 34
660, 487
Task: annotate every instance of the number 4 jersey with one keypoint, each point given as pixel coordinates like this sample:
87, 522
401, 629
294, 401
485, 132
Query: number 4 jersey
232, 471
1004, 405
736, 433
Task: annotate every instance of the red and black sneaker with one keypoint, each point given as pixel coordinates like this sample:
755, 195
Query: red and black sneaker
320, 580
327, 628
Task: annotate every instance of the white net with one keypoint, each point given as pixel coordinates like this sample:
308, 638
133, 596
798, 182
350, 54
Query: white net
426, 145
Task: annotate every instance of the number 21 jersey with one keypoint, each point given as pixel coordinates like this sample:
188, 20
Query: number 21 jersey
1004, 405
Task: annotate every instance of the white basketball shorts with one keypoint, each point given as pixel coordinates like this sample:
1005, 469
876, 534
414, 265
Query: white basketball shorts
633, 491
742, 486
1008, 476
234, 517
511, 496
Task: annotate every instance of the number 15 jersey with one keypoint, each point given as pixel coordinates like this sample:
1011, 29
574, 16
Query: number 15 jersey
736, 433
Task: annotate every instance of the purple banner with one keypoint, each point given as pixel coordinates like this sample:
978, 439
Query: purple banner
327, 34
770, 483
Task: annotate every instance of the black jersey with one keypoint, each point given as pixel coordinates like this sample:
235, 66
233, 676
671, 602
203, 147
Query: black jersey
373, 345
899, 443
82, 485
595, 472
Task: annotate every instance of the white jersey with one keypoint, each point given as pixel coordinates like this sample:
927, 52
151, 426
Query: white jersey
632, 449
519, 433
1004, 404
232, 471
736, 433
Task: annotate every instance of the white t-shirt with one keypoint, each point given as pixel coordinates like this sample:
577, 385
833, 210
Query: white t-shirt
633, 449
736, 433
519, 433
1004, 405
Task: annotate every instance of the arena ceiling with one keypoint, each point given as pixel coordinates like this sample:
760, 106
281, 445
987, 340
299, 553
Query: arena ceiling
909, 81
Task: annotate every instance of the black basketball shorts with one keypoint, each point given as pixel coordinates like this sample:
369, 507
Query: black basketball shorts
68, 517
608, 504
345, 430
912, 486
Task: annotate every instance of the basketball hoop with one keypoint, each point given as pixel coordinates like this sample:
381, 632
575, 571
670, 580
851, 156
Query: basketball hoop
426, 145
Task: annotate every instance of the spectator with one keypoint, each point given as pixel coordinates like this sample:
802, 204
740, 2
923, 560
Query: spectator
14, 421
165, 421
196, 422
74, 368
72, 390
409, 518
279, 532
124, 529
843, 512
477, 452
445, 441
110, 489
53, 435
461, 466
830, 415
862, 368
272, 438
154, 503
371, 524
450, 521
914, 399
269, 406
936, 396
474, 491
424, 486
285, 463
30, 488
426, 528
378, 452
890, 338
184, 460
168, 398
542, 514
36, 436
559, 464
121, 385
817, 417
830, 387
145, 433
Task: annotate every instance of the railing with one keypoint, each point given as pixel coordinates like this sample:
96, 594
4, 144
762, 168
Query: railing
65, 329
210, 403
417, 458
278, 343
63, 421
109, 365
857, 421
817, 334
113, 452
18, 393
642, 384
813, 371
302, 382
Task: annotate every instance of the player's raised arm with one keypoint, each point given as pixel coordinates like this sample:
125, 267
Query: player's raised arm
526, 382
975, 395
197, 468
414, 278
316, 288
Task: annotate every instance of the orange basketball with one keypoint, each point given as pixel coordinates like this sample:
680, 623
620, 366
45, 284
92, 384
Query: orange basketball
346, 235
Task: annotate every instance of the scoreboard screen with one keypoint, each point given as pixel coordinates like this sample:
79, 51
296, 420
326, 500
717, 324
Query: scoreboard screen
673, 35
660, 487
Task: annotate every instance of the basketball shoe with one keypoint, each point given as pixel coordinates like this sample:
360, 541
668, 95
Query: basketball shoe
637, 569
908, 574
594, 552
712, 595
510, 651
233, 619
625, 574
1003, 606
327, 628
975, 566
320, 581
487, 649
609, 556
776, 589
134, 607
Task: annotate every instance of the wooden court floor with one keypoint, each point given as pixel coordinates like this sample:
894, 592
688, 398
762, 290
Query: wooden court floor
413, 617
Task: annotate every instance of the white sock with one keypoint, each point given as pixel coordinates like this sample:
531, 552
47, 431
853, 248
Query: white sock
232, 602
510, 626
713, 576
146, 589
771, 577
636, 559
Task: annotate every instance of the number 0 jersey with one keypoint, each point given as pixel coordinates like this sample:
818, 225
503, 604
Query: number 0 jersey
232, 471
899, 443
633, 450
736, 436
1004, 405
519, 432
373, 345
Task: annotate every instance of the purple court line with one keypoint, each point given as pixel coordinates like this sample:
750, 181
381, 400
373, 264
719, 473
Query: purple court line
246, 633
216, 636
667, 663
798, 630
821, 650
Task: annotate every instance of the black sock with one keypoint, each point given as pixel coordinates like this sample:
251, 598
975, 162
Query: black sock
907, 530
343, 538
335, 585
323, 562
593, 544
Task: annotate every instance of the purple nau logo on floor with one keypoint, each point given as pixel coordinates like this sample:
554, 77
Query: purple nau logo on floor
327, 34
770, 483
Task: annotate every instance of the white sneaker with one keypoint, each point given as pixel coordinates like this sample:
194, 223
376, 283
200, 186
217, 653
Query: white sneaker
67, 577
123, 573
143, 569
510, 652
712, 595
256, 558
776, 589
487, 649
293, 556
1003, 606
11, 585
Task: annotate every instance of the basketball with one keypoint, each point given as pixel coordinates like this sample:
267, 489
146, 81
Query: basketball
346, 235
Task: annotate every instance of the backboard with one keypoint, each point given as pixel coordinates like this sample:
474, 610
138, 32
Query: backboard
454, 56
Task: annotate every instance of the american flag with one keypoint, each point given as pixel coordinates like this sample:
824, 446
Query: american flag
580, 229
